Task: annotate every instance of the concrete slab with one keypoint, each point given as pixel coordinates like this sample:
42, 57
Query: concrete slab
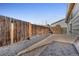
51, 38
63, 38
43, 42
59, 49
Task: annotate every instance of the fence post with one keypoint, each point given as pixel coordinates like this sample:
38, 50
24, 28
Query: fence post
29, 30
11, 32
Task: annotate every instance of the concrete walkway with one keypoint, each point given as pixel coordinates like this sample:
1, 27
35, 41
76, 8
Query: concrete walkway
54, 37
63, 38
60, 49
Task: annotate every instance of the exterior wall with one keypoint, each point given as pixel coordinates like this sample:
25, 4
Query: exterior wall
73, 24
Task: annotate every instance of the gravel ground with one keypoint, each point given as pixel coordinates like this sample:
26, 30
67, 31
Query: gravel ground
35, 52
76, 44
60, 49
12, 50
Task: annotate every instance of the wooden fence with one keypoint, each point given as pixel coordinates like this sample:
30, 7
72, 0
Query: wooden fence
14, 30
4, 31
57, 29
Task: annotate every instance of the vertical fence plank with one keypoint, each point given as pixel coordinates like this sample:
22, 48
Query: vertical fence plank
15, 32
20, 30
7, 29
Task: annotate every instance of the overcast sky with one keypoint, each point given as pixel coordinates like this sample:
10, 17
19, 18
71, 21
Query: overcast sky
35, 13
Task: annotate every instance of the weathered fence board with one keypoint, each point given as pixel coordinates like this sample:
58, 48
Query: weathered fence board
21, 30
4, 31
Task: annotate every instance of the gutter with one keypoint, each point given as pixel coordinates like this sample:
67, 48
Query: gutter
71, 6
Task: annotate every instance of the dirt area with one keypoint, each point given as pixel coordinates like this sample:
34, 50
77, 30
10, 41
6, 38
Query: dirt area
60, 49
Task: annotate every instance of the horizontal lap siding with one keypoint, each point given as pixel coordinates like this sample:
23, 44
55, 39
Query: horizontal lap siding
75, 27
74, 21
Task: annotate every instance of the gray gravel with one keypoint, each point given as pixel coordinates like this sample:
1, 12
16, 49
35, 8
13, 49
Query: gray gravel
60, 49
76, 44
35, 52
12, 50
